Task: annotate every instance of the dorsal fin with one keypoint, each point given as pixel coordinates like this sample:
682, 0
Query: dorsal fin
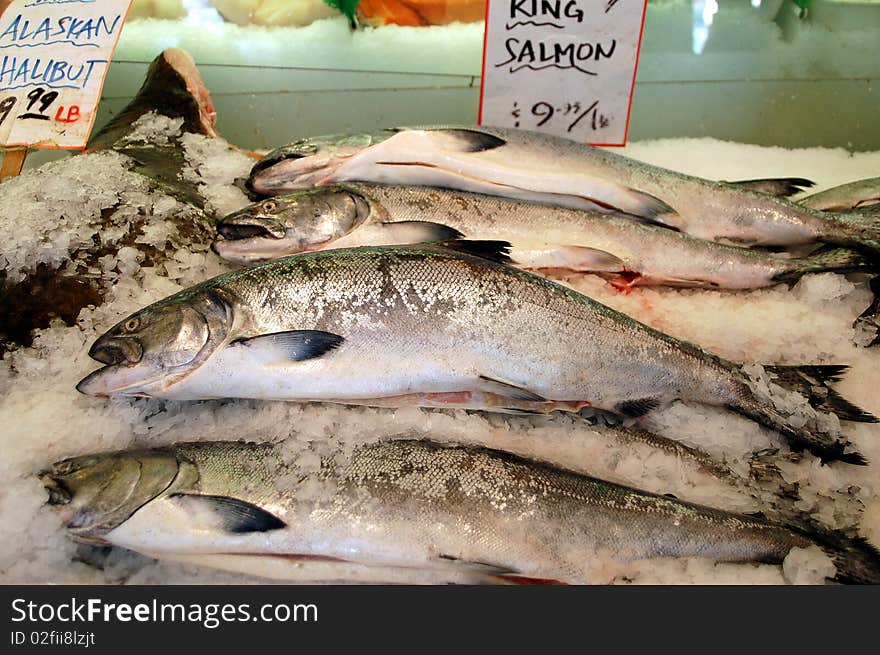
494, 251
781, 187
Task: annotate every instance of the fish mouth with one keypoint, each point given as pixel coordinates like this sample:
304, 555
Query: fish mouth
256, 249
59, 493
270, 160
114, 350
294, 171
92, 384
267, 162
236, 231
120, 379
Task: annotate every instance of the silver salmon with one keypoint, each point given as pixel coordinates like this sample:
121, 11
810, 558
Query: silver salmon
547, 238
533, 166
401, 511
853, 195
433, 325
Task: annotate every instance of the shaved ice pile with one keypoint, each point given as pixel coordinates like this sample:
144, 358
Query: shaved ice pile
47, 212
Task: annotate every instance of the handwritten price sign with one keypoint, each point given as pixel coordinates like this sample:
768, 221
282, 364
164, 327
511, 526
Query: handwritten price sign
562, 66
54, 55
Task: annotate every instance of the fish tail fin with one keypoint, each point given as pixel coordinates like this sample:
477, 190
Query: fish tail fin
861, 231
803, 429
650, 207
856, 559
812, 381
822, 445
838, 260
868, 322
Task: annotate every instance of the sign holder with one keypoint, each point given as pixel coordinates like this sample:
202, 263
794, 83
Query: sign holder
13, 161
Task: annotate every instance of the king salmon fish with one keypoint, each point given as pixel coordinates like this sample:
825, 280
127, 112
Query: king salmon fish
448, 325
550, 239
402, 511
547, 168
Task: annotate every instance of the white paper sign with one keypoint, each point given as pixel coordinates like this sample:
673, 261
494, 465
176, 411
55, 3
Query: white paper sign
566, 67
54, 55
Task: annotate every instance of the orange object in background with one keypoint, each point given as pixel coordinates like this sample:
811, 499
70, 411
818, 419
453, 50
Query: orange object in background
420, 12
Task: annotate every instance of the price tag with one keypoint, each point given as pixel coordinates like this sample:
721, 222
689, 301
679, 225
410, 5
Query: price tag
566, 67
54, 55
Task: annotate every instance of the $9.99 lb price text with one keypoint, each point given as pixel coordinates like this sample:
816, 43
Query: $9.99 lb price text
569, 114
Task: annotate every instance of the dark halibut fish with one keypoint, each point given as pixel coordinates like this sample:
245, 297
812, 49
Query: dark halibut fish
546, 168
436, 325
404, 511
172, 88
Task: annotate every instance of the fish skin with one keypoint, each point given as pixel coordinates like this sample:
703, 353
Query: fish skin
555, 240
548, 168
396, 505
846, 197
416, 325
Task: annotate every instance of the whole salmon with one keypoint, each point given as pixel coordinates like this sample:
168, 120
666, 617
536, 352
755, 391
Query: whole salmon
401, 511
547, 168
433, 325
551, 239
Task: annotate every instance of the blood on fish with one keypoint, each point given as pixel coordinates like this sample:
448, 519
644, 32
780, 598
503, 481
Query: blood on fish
571, 405
625, 281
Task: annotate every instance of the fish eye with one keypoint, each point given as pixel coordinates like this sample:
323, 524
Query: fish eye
131, 324
270, 206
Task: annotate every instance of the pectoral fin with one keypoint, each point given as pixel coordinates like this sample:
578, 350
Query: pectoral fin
479, 567
636, 408
404, 232
494, 251
508, 390
295, 345
573, 258
649, 207
234, 515
464, 140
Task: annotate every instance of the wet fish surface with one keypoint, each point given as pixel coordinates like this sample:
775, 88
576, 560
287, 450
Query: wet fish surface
534, 166
543, 237
447, 325
396, 511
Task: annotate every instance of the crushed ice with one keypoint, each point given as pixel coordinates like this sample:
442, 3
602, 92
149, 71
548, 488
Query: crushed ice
45, 419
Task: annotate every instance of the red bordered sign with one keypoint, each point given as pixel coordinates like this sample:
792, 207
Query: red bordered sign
54, 56
567, 67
